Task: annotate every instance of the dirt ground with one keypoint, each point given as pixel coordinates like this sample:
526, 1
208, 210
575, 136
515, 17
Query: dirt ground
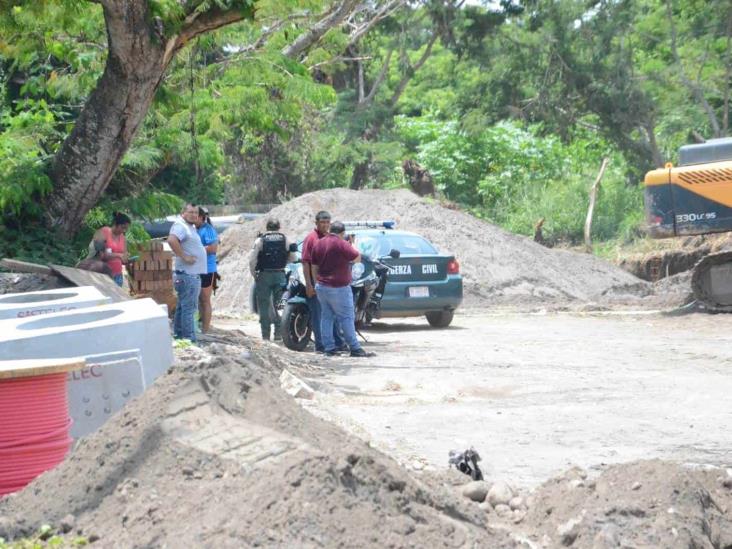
535, 393
216, 454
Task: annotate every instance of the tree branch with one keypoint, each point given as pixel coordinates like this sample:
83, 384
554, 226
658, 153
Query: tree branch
379, 79
339, 59
386, 10
332, 18
199, 23
412, 70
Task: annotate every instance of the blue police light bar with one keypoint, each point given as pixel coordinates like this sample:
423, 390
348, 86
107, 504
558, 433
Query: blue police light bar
369, 224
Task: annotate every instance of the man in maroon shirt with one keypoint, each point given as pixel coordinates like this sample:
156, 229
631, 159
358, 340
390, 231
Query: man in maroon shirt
331, 259
322, 226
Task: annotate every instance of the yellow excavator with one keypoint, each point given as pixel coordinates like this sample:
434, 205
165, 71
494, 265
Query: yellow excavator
695, 198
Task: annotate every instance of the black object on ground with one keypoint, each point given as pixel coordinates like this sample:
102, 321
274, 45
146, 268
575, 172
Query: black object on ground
466, 462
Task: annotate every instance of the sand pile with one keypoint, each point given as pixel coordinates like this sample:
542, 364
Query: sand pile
216, 455
498, 267
640, 504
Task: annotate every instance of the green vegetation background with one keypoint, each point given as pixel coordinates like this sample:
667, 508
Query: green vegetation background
510, 107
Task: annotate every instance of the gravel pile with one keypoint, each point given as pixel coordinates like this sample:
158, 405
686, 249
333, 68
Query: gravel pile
499, 268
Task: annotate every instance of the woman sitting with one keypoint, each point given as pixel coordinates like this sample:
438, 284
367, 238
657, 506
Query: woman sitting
111, 241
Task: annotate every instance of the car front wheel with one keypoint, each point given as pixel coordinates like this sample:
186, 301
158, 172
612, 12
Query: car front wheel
296, 326
439, 319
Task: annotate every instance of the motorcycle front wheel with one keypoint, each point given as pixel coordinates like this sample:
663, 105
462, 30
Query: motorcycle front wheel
296, 326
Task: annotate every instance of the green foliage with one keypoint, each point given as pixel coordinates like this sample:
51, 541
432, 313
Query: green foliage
44, 539
512, 112
514, 176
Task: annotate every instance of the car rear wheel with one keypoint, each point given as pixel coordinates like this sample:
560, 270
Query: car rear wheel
439, 319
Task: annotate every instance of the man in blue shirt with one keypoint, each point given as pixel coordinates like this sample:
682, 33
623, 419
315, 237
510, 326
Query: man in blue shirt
210, 241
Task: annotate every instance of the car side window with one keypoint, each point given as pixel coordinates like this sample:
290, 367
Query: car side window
408, 244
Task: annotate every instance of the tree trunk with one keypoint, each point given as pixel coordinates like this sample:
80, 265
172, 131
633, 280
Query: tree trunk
360, 174
591, 209
138, 56
656, 154
104, 131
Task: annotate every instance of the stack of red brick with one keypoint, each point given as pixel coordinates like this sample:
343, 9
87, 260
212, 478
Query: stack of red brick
153, 271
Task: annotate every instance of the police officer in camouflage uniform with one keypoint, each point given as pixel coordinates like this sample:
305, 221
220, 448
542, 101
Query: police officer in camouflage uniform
267, 261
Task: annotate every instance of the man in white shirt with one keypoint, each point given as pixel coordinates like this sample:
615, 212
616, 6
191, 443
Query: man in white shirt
190, 264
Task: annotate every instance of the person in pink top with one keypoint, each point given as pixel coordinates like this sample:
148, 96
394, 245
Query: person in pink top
115, 245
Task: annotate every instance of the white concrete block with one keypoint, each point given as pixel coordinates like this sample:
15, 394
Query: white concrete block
136, 324
28, 304
103, 388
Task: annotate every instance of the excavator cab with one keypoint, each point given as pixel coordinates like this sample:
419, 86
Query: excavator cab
695, 198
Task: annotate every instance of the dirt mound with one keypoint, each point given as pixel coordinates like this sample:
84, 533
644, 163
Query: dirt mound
640, 504
214, 454
676, 256
498, 267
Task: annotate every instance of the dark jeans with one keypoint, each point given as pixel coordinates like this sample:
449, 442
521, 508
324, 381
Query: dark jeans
268, 292
188, 287
314, 308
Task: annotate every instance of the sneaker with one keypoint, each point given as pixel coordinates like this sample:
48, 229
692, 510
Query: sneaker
361, 353
343, 348
334, 352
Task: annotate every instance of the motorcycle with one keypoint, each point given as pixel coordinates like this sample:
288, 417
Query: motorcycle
369, 281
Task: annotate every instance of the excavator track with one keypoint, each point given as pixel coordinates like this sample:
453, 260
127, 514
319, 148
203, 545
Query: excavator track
711, 282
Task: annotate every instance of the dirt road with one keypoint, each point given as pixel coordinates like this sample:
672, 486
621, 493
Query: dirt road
536, 393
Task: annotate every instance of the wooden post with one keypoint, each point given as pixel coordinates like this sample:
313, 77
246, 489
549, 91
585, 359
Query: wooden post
591, 209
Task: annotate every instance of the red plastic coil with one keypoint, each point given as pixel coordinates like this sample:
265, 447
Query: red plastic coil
34, 428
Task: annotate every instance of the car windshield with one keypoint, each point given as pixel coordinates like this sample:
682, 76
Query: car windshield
380, 245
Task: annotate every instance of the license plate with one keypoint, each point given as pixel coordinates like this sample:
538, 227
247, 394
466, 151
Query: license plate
419, 291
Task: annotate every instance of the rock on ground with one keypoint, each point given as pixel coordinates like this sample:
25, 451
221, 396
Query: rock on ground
500, 494
476, 490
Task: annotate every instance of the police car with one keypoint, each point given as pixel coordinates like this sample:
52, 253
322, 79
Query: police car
421, 281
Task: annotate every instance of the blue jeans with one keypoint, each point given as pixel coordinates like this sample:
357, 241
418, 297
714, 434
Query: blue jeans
188, 287
336, 305
314, 308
